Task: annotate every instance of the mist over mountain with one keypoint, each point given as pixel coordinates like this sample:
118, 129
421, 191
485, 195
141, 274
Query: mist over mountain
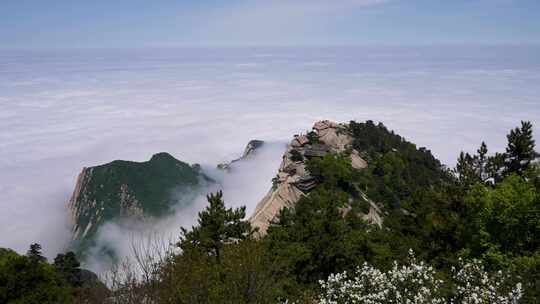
270, 151
64, 110
122, 204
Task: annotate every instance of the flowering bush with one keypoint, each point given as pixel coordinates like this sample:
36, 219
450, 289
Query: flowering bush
474, 285
417, 283
414, 283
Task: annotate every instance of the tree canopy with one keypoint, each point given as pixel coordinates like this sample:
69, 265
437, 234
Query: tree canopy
485, 210
217, 226
30, 279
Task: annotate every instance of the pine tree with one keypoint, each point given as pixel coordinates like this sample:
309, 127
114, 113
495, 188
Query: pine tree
216, 227
313, 137
466, 170
481, 162
520, 150
495, 167
34, 253
68, 267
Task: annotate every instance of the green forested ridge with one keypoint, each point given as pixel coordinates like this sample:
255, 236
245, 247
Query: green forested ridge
146, 186
487, 208
150, 182
397, 168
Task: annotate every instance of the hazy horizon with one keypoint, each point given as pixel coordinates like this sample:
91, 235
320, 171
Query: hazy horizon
128, 24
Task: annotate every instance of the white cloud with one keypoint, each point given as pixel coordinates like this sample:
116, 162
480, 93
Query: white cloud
205, 105
246, 183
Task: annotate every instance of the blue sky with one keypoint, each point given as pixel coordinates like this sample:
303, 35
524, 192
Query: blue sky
142, 23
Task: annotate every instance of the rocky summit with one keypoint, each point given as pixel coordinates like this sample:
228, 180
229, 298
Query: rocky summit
293, 180
127, 189
249, 151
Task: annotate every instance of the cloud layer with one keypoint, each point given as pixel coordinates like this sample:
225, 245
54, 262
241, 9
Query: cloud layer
62, 110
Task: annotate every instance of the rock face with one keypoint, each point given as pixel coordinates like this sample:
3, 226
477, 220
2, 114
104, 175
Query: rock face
293, 181
125, 189
249, 151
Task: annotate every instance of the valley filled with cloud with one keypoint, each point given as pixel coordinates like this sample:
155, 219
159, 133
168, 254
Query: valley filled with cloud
63, 110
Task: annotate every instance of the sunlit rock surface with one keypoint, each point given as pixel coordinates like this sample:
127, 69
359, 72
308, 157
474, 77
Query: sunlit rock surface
293, 181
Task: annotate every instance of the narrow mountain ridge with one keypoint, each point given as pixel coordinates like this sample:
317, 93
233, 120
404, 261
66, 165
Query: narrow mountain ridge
249, 151
293, 180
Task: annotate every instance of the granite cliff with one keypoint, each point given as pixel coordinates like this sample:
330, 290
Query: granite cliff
126, 189
293, 179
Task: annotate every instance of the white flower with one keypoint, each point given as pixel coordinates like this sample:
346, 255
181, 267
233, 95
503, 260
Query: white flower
416, 283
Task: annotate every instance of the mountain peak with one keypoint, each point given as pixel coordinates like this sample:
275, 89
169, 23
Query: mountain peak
126, 189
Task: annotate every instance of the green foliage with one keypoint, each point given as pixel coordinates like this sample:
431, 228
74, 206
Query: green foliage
466, 170
323, 233
313, 240
473, 169
313, 137
528, 269
331, 171
34, 253
375, 140
397, 168
502, 227
504, 220
151, 184
495, 167
27, 280
481, 168
69, 268
440, 217
482, 162
216, 227
219, 262
490, 210
520, 150
296, 156
244, 274
275, 181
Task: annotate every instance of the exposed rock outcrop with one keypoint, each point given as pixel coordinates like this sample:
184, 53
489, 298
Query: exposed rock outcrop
357, 161
249, 151
80, 205
333, 135
293, 181
373, 217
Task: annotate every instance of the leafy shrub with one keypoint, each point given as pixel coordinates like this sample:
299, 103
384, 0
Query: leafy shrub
24, 280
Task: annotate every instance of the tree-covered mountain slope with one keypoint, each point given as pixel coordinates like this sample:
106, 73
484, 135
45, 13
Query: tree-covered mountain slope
397, 168
356, 213
487, 208
126, 189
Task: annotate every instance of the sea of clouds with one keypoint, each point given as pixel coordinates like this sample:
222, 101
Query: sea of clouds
62, 110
